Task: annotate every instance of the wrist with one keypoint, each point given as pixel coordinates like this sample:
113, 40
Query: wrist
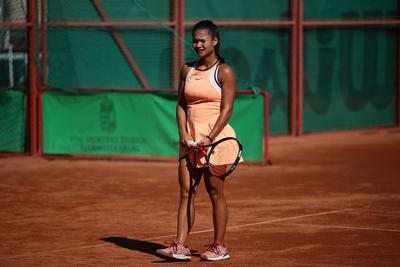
182, 133
209, 138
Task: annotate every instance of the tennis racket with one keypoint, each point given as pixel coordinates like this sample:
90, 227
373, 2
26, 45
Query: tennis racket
222, 156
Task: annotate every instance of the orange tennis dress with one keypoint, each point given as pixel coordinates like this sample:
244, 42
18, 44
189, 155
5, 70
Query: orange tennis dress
203, 97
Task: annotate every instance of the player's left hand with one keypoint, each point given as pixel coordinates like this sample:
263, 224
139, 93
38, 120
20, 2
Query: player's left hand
204, 141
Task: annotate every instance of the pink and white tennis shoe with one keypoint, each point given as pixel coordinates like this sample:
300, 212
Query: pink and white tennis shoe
176, 251
215, 252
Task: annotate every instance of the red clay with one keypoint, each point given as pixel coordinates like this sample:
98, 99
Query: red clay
327, 200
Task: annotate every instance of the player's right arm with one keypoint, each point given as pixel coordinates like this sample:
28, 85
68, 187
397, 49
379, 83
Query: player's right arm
181, 109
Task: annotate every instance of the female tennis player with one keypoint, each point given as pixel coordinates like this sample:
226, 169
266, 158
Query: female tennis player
206, 98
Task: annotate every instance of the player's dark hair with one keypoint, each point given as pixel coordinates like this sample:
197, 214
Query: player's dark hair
213, 30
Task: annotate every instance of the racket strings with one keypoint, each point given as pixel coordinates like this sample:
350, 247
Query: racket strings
218, 170
224, 153
223, 156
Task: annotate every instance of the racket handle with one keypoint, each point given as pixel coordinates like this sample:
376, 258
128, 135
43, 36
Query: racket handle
192, 144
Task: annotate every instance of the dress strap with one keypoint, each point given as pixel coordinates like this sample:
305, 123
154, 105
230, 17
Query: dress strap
189, 73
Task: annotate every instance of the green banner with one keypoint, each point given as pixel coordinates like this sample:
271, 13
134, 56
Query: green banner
12, 121
140, 124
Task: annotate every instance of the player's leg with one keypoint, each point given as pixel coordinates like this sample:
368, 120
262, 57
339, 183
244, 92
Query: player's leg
189, 179
215, 189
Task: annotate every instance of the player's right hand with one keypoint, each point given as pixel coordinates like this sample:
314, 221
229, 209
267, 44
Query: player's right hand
187, 141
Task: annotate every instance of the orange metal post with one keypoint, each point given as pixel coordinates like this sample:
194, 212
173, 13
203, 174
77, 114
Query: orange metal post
32, 102
42, 77
181, 32
300, 66
44, 41
266, 156
293, 67
175, 44
398, 73
40, 122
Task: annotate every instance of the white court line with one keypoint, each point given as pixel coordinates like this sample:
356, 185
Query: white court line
262, 222
291, 218
191, 233
341, 227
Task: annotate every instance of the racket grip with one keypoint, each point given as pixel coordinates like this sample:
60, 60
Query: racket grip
192, 143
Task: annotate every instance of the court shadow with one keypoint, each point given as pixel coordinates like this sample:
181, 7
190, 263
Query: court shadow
139, 245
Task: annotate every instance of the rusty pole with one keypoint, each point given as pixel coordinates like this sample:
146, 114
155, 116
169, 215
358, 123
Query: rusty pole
300, 66
175, 44
293, 67
32, 77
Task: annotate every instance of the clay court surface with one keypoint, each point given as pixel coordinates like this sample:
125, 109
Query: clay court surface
327, 200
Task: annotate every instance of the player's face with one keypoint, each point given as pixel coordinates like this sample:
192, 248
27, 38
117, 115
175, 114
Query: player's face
203, 43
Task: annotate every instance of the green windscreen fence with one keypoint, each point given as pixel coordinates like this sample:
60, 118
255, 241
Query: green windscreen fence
79, 58
13, 80
349, 73
120, 10
265, 65
90, 57
12, 121
237, 9
133, 124
259, 57
349, 78
354, 9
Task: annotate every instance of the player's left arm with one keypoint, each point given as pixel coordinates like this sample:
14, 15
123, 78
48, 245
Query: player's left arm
227, 79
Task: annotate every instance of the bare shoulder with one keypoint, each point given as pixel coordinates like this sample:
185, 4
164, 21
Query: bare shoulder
226, 72
185, 69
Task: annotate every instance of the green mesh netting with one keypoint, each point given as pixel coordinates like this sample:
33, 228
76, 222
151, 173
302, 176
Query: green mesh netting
341, 66
237, 9
13, 76
349, 78
354, 9
12, 118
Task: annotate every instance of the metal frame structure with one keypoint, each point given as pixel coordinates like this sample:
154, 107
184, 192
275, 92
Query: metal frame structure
32, 91
296, 25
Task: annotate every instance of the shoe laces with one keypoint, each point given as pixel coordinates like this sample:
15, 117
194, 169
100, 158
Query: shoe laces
214, 247
174, 244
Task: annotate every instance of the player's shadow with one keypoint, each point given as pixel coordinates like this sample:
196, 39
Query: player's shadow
138, 245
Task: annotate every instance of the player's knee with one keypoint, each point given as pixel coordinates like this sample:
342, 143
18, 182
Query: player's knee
215, 194
187, 193
184, 194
